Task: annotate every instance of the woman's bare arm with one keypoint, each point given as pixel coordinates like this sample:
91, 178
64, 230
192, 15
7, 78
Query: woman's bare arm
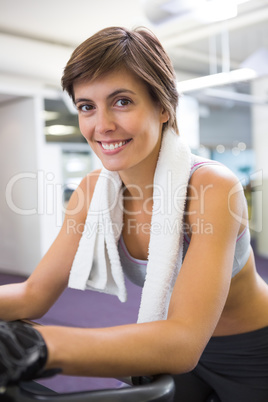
198, 298
34, 297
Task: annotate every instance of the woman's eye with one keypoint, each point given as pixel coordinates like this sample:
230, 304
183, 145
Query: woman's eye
85, 108
123, 102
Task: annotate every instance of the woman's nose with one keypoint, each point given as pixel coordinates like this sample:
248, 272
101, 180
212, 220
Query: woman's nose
104, 121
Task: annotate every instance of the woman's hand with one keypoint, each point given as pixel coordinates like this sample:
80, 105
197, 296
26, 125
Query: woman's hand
23, 353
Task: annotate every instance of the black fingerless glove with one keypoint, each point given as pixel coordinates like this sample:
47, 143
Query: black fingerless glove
23, 353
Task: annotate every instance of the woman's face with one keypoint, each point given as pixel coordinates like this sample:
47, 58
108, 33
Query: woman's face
119, 120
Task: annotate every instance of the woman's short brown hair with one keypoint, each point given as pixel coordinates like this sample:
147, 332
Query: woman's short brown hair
139, 51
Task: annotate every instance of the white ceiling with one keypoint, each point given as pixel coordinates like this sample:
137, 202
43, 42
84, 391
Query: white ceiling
66, 23
38, 36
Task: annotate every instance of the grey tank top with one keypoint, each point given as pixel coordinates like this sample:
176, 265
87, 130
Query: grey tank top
135, 269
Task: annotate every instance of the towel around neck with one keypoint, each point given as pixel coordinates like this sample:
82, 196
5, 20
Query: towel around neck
97, 263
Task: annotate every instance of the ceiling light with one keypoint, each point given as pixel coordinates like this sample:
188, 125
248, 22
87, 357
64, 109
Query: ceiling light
215, 10
59, 129
160, 11
242, 1
242, 74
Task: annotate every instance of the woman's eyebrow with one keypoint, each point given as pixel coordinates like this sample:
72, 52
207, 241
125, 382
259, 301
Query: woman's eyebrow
111, 95
81, 100
119, 91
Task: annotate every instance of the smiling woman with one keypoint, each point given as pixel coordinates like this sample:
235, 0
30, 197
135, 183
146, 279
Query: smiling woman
120, 120
173, 223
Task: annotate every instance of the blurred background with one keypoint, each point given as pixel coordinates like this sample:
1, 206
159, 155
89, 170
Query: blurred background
220, 53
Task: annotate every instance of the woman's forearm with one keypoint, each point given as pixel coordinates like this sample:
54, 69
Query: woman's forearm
13, 301
129, 350
22, 300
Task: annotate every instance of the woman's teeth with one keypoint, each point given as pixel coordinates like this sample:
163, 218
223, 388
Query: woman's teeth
114, 145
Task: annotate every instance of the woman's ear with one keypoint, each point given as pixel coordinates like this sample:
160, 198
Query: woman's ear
164, 115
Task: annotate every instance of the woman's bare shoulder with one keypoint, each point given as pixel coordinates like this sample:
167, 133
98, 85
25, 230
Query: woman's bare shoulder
214, 175
215, 193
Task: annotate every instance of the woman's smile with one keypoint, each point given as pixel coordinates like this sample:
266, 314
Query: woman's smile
112, 147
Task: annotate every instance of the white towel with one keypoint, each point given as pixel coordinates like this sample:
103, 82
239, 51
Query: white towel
97, 263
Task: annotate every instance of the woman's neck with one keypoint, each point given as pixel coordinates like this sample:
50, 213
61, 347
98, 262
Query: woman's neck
138, 181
